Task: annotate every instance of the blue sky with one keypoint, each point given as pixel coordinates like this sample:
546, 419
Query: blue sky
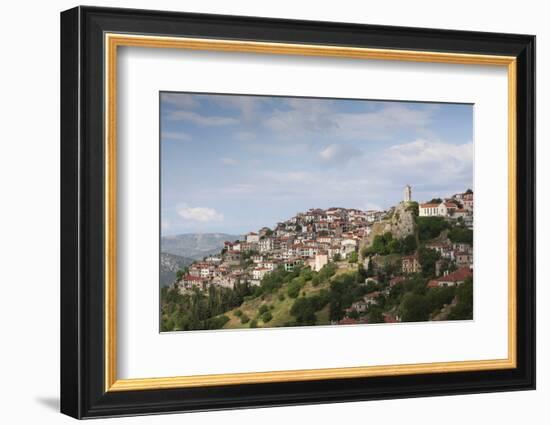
233, 164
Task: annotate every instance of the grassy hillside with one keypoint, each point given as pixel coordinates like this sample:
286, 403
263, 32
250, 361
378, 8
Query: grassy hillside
279, 304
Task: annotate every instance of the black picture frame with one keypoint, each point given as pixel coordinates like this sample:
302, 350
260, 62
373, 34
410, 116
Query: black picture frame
83, 392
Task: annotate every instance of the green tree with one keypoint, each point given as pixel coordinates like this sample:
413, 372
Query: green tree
408, 245
361, 274
267, 316
413, 206
464, 309
375, 315
428, 258
353, 257
415, 308
181, 272
327, 271
461, 234
430, 227
244, 319
304, 311
380, 244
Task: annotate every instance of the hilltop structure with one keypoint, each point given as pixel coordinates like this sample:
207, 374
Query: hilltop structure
407, 195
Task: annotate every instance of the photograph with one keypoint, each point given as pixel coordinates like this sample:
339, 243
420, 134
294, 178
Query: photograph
268, 211
281, 211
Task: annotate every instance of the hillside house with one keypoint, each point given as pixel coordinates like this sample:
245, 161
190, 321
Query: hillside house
410, 264
451, 279
252, 238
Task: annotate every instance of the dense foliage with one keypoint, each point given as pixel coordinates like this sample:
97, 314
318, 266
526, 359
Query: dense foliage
385, 244
430, 227
198, 310
461, 234
464, 309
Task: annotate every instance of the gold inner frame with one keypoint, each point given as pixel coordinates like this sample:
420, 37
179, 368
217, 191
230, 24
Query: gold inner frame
113, 41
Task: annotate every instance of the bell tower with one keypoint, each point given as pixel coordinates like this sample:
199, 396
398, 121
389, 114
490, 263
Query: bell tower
407, 194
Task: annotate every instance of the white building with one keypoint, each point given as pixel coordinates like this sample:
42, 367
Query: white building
252, 238
259, 273
319, 261
442, 209
348, 246
266, 244
428, 210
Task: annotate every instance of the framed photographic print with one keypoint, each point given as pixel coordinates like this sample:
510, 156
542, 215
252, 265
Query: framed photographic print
261, 212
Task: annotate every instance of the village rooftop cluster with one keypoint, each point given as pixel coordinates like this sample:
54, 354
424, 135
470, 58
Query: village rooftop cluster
319, 236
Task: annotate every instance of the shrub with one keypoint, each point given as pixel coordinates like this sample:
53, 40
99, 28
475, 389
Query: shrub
304, 311
327, 271
281, 297
430, 227
253, 324
267, 316
244, 319
294, 289
461, 234
263, 308
315, 281
217, 322
238, 313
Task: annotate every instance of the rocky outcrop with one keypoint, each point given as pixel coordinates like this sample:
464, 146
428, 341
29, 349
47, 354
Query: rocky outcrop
401, 223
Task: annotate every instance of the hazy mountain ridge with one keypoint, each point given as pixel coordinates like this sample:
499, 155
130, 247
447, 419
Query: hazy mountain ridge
169, 265
195, 245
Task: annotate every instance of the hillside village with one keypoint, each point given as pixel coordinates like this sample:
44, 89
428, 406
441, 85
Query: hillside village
350, 266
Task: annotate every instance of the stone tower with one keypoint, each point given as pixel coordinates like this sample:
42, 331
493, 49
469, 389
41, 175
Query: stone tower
407, 195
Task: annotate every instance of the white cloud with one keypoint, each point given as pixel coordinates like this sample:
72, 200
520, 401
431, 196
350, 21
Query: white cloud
421, 153
200, 214
427, 165
321, 116
175, 135
202, 120
229, 161
339, 153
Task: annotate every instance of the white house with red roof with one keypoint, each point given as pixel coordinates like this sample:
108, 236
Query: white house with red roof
445, 208
451, 279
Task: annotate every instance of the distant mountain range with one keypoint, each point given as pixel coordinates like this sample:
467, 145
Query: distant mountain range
169, 265
195, 245
181, 250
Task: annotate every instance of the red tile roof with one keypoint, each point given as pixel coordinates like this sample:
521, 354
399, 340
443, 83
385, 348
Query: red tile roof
192, 278
457, 276
396, 280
